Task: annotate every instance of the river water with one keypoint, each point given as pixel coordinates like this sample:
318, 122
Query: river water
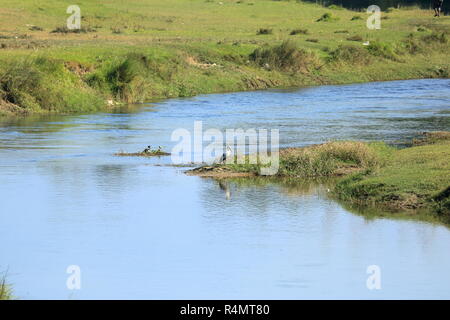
139, 228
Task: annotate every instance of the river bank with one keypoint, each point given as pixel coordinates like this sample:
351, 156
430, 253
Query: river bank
48, 70
371, 174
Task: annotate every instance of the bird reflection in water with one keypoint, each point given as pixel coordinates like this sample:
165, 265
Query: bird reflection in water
225, 187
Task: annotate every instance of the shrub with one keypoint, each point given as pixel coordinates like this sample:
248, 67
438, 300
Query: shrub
45, 84
411, 45
264, 31
435, 37
299, 31
327, 17
36, 28
285, 57
127, 78
116, 30
384, 50
356, 18
355, 38
64, 29
5, 290
327, 159
351, 54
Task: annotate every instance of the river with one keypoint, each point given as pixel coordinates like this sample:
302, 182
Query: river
139, 228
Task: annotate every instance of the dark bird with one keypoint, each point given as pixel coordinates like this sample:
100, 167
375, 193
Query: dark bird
148, 149
227, 154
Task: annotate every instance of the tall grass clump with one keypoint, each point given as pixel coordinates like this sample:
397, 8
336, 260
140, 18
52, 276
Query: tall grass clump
125, 78
332, 158
412, 45
65, 30
327, 17
5, 290
298, 31
45, 85
285, 57
350, 54
435, 38
262, 31
356, 37
383, 50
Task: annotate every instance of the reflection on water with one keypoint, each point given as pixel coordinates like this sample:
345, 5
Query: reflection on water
140, 228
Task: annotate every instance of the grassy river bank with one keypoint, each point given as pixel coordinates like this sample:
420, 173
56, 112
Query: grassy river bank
139, 51
412, 179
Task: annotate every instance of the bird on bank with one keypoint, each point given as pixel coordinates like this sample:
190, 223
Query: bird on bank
148, 149
226, 155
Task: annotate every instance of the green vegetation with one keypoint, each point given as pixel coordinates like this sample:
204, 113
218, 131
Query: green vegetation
371, 173
285, 57
139, 50
413, 178
335, 158
5, 290
299, 31
327, 17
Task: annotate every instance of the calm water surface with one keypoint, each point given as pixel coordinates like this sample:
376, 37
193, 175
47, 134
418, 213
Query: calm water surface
141, 229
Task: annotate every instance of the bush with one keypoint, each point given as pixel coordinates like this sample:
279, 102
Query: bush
327, 159
264, 31
127, 79
435, 37
384, 50
411, 45
36, 28
327, 17
354, 18
64, 29
45, 84
351, 54
284, 57
299, 31
355, 38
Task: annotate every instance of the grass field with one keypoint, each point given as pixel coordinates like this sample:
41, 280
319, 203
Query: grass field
138, 50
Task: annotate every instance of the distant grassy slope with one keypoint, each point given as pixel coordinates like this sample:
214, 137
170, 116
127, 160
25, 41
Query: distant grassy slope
186, 47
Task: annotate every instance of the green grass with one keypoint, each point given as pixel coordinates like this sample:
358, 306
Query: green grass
335, 158
139, 50
413, 178
5, 290
373, 174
